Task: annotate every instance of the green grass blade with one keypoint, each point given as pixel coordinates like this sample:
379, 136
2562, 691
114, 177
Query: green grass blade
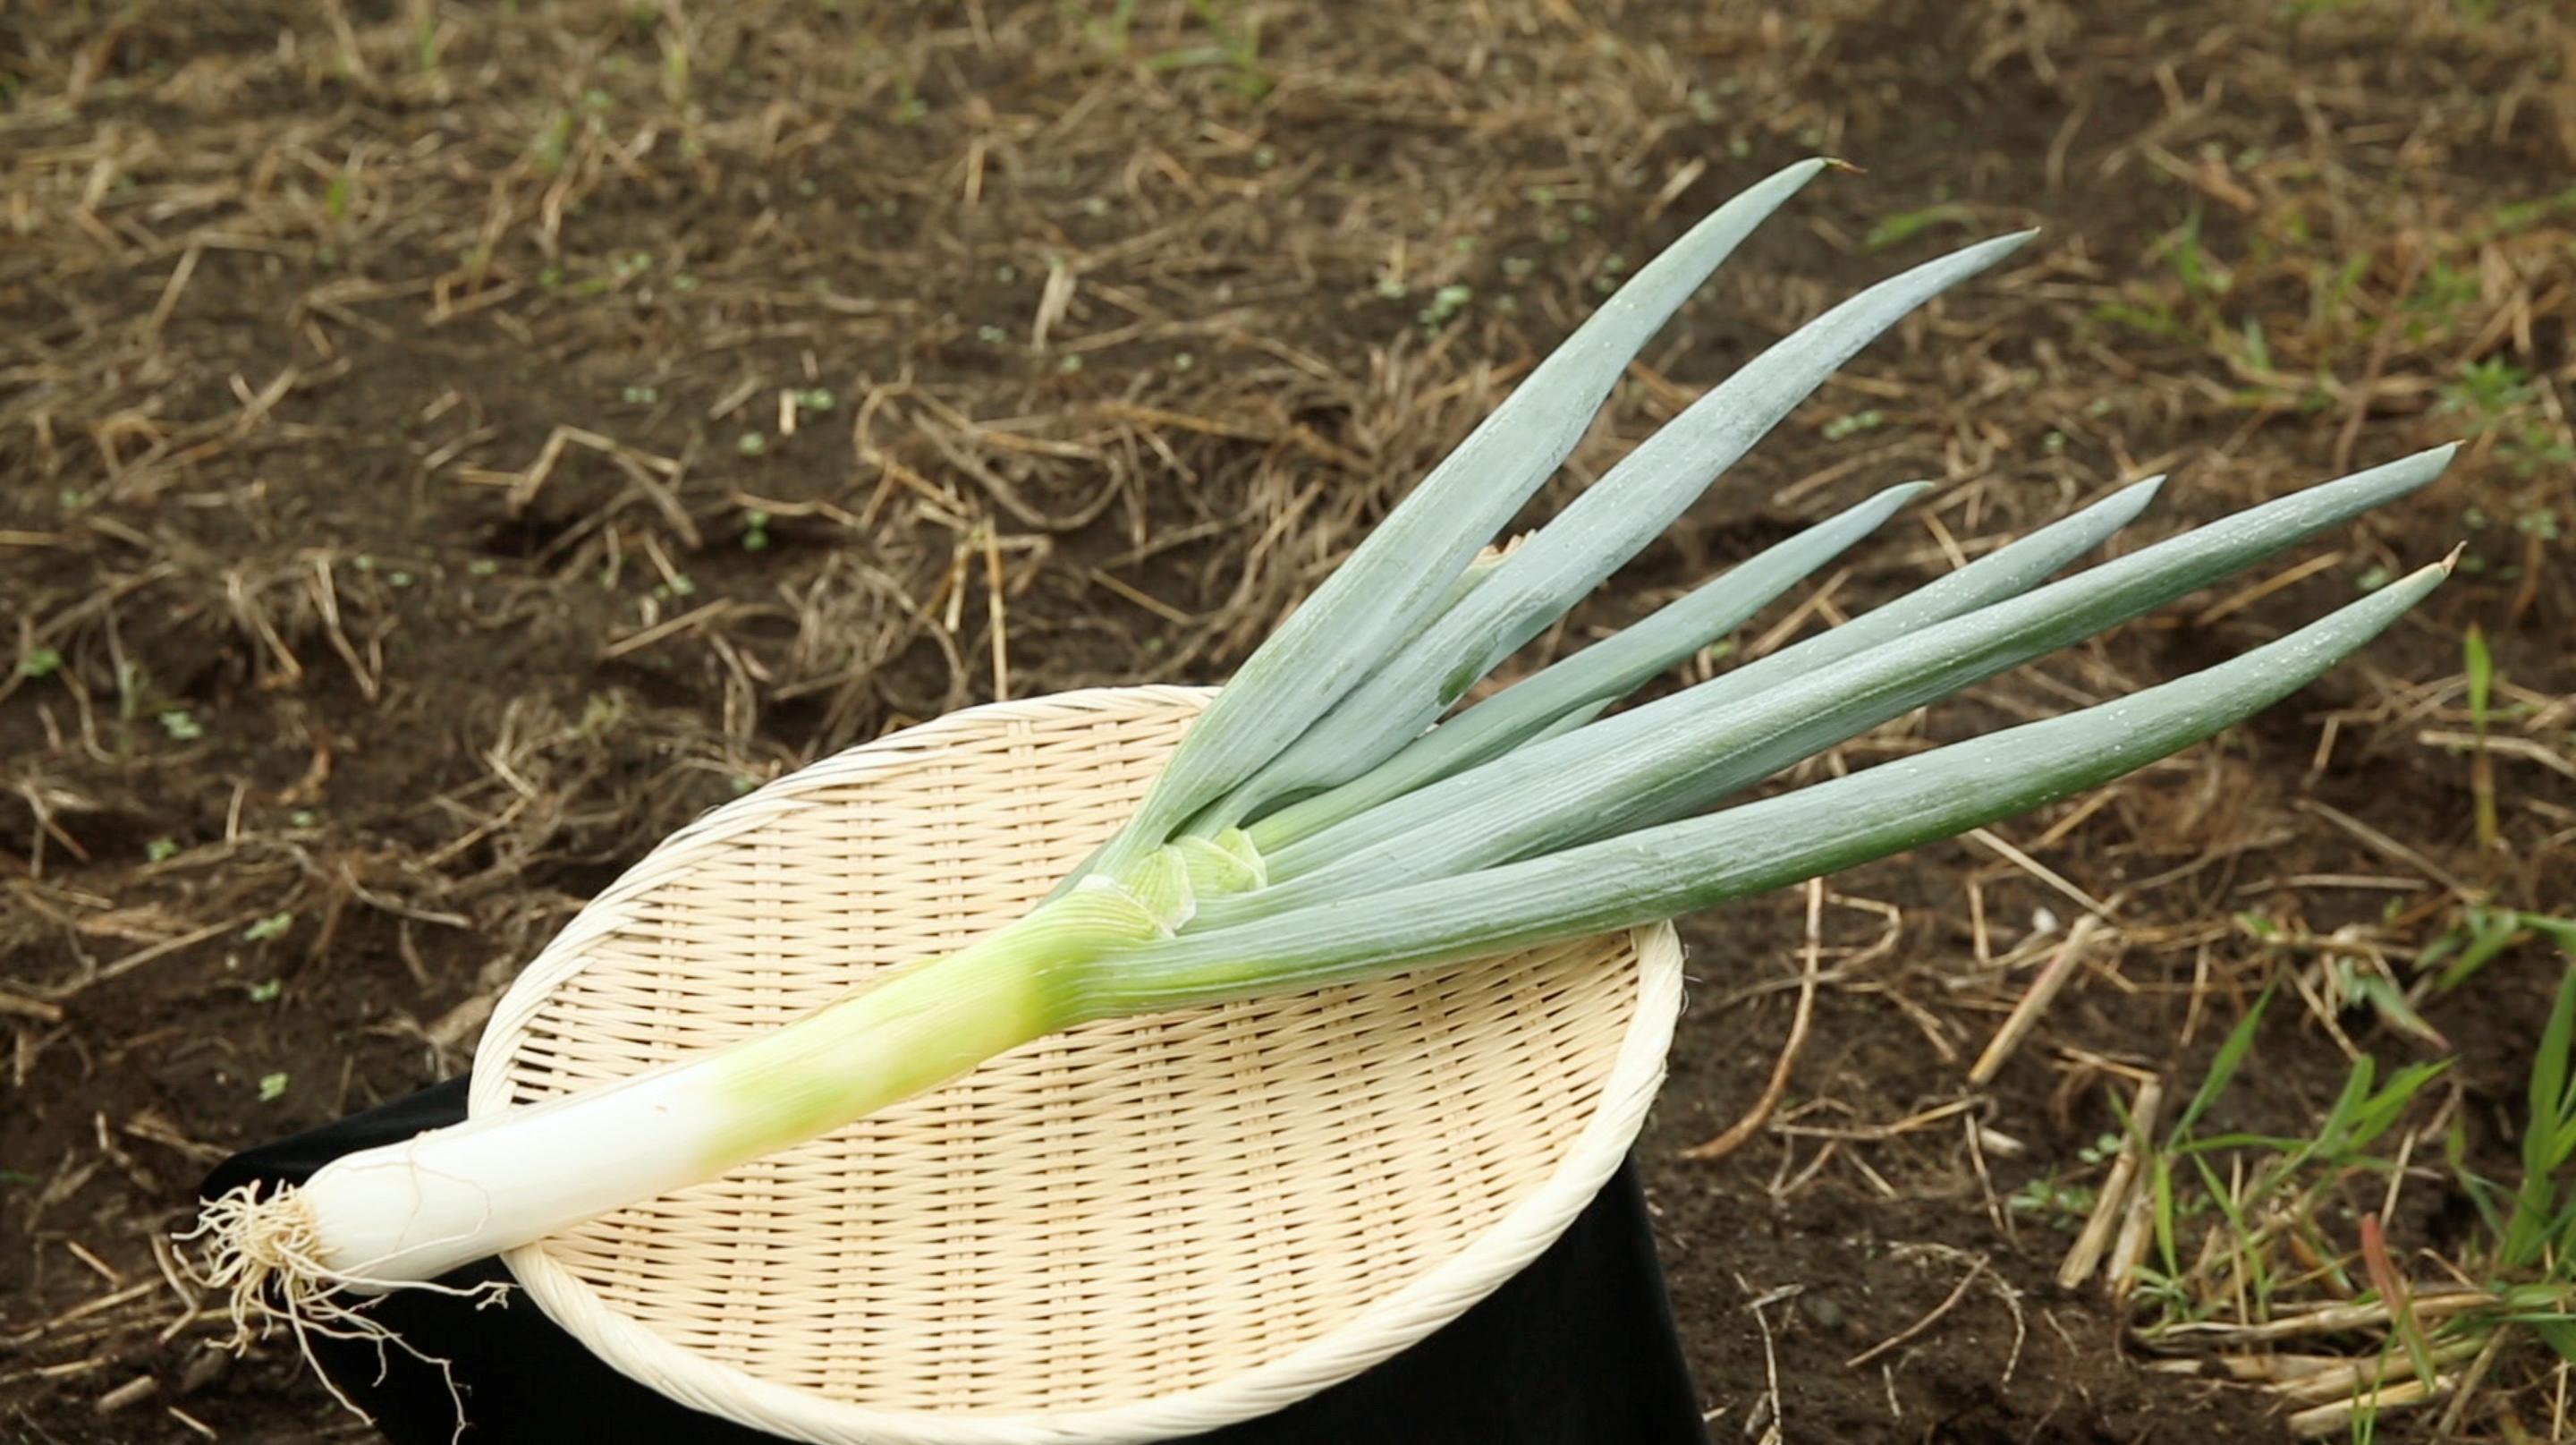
1610, 522
1745, 850
2480, 665
2003, 573
2240, 1235
2382, 1111
2482, 934
2223, 1065
1399, 576
1677, 756
2220, 1143
2162, 1183
2480, 1193
1603, 673
2550, 1097
2548, 1132
2277, 1173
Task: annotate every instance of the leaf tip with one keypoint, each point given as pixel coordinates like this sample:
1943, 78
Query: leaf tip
2421, 469
2123, 506
1987, 252
1788, 180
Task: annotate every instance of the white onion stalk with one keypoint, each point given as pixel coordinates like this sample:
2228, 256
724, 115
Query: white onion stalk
421, 1207
1311, 785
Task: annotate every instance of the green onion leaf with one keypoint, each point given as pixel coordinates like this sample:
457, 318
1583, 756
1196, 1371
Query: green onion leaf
1680, 754
1398, 578
1602, 673
1997, 575
1598, 531
1679, 867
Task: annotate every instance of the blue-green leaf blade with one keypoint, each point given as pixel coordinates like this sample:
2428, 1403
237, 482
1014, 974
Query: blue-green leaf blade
1596, 533
1600, 674
1679, 755
1679, 867
2003, 573
1400, 575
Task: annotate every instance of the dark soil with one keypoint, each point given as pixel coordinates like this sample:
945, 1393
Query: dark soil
400, 531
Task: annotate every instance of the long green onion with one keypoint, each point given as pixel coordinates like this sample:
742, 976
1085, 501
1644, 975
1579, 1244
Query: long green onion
1324, 776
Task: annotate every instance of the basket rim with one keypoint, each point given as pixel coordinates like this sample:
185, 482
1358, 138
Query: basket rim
1382, 1329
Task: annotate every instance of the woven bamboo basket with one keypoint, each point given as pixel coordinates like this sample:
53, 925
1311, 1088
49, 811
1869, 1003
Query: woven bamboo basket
1133, 1231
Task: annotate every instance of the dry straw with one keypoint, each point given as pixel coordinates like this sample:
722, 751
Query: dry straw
1136, 1230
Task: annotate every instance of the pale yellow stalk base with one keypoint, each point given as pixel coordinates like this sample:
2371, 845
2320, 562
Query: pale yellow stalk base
401, 1215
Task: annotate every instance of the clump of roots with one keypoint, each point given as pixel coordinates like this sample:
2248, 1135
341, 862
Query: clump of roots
263, 1252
